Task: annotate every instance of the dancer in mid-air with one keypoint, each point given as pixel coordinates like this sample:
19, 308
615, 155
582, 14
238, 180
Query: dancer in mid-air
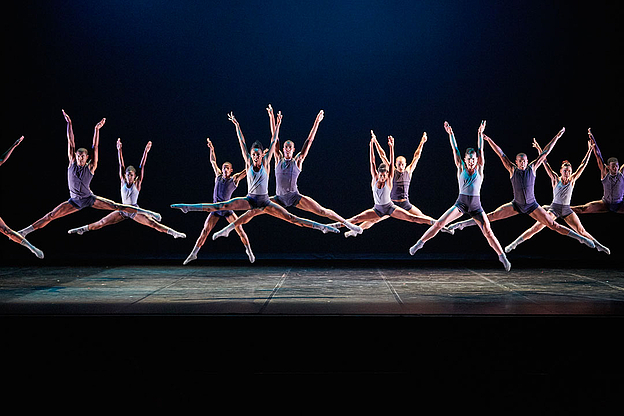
470, 178
612, 178
79, 174
226, 181
257, 167
522, 176
288, 166
131, 183
562, 194
5, 229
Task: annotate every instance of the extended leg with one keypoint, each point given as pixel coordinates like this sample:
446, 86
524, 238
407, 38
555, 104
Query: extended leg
61, 210
209, 224
103, 203
237, 222
486, 229
450, 215
236, 204
281, 213
504, 211
13, 236
594, 207
575, 223
151, 222
308, 204
243, 237
542, 216
110, 219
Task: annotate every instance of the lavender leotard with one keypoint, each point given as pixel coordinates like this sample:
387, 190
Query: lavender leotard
223, 190
78, 182
613, 187
286, 175
523, 184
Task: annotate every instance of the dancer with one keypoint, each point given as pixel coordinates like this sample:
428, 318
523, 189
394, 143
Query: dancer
225, 184
5, 229
257, 167
400, 185
612, 178
131, 183
522, 176
560, 206
79, 174
470, 178
287, 169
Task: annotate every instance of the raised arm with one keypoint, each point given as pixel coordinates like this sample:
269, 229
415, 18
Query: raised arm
96, 144
213, 158
456, 153
241, 140
508, 164
391, 165
308, 142
275, 139
480, 150
549, 170
542, 156
6, 154
410, 168
585, 161
601, 164
148, 147
120, 159
371, 156
380, 150
71, 145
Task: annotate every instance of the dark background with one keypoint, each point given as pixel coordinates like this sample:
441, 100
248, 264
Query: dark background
170, 72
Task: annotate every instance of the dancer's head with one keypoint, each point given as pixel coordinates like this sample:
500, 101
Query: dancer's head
522, 161
257, 151
471, 158
82, 156
130, 174
289, 149
566, 169
613, 165
400, 163
382, 172
226, 169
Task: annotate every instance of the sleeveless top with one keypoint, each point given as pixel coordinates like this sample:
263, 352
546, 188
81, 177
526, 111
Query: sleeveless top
562, 194
129, 196
523, 183
381, 196
286, 175
469, 184
257, 182
613, 186
400, 185
79, 180
223, 189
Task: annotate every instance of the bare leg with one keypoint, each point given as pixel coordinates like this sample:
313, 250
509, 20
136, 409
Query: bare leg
110, 219
281, 213
594, 207
209, 224
542, 216
243, 237
61, 210
235, 204
366, 225
504, 211
573, 221
308, 204
151, 222
486, 229
536, 228
450, 215
103, 203
13, 236
239, 221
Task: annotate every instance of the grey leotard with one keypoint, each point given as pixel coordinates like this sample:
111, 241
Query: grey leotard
78, 182
257, 187
562, 194
223, 190
400, 189
523, 184
129, 196
381, 196
469, 199
286, 175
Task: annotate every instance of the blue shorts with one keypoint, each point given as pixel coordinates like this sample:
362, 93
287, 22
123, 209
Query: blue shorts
613, 206
81, 203
405, 204
469, 204
258, 200
525, 208
560, 211
386, 209
289, 199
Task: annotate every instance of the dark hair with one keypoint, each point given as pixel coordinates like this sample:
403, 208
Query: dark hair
382, 167
566, 163
257, 145
82, 150
470, 151
521, 155
612, 160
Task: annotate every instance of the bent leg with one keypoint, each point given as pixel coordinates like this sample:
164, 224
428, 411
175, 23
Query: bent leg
237, 222
232, 219
486, 229
542, 216
110, 219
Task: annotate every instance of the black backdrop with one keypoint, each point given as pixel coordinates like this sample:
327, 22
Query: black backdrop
170, 72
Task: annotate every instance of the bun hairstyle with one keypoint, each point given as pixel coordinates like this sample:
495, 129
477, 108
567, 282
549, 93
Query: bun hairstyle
382, 168
131, 169
566, 163
470, 151
257, 145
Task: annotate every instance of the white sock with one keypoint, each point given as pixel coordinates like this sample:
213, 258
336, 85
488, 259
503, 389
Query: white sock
192, 256
514, 244
250, 254
503, 259
582, 239
419, 244
32, 248
602, 248
354, 228
79, 230
175, 234
224, 232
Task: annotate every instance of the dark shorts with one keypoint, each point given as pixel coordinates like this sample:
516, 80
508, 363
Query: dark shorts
224, 213
469, 204
560, 211
403, 204
386, 209
81, 203
258, 201
525, 208
613, 206
290, 199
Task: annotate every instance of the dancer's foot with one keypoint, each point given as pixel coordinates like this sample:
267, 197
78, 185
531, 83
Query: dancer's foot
190, 258
602, 248
181, 207
250, 254
79, 230
413, 249
503, 259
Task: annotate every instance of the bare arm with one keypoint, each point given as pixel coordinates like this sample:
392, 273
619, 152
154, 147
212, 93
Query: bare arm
380, 150
542, 157
410, 168
371, 156
583, 165
71, 145
601, 165
456, 153
549, 170
306, 145
391, 165
237, 177
241, 140
6, 154
269, 154
148, 147
122, 166
213, 158
96, 144
480, 150
506, 162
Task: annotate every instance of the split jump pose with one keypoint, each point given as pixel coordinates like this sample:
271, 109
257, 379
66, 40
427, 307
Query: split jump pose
560, 206
225, 184
522, 176
79, 174
612, 178
257, 166
131, 183
470, 172
5, 229
288, 166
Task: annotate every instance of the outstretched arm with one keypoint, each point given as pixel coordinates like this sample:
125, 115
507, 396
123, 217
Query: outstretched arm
410, 168
371, 156
583, 165
96, 144
391, 165
148, 147
122, 165
241, 140
306, 145
549, 170
71, 145
275, 139
599, 159
542, 157
278, 153
6, 154
480, 150
456, 153
380, 150
213, 158
506, 162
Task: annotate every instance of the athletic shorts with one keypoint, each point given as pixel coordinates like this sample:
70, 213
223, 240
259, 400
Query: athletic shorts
386, 209
405, 204
613, 206
81, 203
525, 208
290, 199
469, 204
258, 200
560, 211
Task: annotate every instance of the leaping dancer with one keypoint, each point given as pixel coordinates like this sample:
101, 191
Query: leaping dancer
79, 175
470, 178
288, 166
5, 229
522, 176
612, 178
225, 184
131, 184
562, 194
257, 166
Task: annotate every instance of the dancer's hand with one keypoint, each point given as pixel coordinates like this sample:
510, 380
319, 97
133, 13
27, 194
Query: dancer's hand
232, 118
487, 138
561, 132
118, 143
390, 141
320, 116
148, 146
591, 145
448, 128
18, 141
209, 144
66, 117
482, 127
373, 137
269, 109
278, 120
100, 124
424, 137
